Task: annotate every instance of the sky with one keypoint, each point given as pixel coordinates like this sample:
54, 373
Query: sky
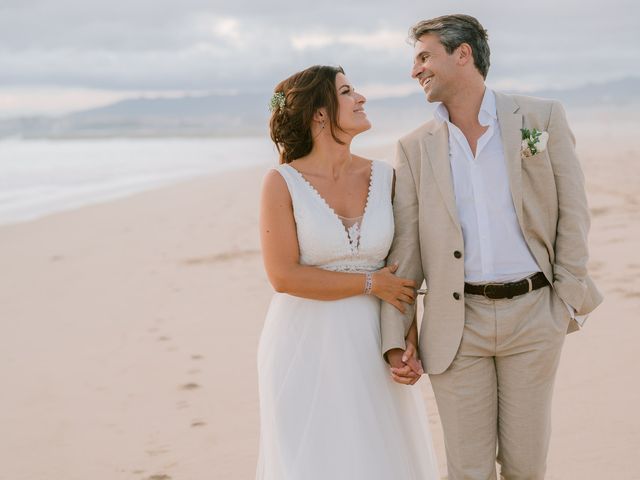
58, 56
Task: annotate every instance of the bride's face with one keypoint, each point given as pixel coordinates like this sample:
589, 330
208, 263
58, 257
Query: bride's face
351, 115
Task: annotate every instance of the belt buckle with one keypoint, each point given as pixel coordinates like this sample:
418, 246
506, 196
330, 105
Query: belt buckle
484, 290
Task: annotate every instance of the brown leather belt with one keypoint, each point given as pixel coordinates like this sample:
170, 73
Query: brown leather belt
496, 291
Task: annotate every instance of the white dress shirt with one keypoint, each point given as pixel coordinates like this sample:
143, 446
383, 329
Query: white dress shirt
494, 246
495, 249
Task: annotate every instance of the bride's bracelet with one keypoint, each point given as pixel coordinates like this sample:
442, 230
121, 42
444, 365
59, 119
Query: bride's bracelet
368, 283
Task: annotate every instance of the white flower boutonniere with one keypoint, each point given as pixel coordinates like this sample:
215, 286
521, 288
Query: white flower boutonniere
533, 141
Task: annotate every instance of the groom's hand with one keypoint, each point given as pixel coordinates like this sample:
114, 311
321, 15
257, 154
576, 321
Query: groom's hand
402, 372
411, 359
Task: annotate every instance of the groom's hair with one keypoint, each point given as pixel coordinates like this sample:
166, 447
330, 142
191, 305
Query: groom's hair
453, 31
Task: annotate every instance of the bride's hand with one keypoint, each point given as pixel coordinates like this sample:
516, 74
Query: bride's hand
408, 369
412, 358
392, 289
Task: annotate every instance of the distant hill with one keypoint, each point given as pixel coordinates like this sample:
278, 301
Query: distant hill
247, 114
211, 115
616, 93
404, 113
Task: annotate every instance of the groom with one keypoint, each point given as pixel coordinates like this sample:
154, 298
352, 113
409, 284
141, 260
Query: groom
490, 209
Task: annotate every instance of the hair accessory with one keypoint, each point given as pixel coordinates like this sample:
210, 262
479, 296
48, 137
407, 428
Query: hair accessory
276, 102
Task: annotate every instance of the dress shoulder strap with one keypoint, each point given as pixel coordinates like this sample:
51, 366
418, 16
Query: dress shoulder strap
292, 181
300, 197
384, 178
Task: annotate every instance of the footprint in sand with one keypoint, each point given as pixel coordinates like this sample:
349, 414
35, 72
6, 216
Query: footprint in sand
161, 476
616, 290
198, 423
163, 338
197, 357
190, 386
157, 451
221, 257
598, 211
596, 266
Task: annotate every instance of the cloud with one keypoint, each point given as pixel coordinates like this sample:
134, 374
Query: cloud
227, 28
248, 45
378, 40
54, 100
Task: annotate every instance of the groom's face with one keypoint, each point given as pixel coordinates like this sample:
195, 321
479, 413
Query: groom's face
433, 67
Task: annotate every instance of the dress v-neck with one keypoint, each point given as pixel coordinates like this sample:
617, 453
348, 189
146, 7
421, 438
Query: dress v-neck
337, 217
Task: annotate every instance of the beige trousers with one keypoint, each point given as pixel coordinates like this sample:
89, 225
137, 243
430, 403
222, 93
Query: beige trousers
495, 398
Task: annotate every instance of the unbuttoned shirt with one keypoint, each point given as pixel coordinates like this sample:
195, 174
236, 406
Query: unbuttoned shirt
494, 246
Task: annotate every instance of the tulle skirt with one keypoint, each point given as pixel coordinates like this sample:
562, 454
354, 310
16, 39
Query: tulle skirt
329, 409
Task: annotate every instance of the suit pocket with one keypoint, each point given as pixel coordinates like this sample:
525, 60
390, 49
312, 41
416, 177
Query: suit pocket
561, 314
538, 156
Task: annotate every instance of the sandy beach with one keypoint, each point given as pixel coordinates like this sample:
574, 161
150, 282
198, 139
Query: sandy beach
129, 332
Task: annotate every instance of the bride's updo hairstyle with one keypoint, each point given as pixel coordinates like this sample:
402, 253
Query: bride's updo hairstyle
293, 104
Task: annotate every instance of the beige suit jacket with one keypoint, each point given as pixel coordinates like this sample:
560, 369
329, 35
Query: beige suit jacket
550, 202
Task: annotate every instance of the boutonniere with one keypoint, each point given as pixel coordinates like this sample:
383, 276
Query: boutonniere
533, 141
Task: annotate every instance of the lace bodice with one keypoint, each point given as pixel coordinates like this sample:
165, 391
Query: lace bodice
352, 225
336, 243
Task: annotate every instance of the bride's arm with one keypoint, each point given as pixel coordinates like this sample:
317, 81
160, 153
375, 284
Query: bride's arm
281, 256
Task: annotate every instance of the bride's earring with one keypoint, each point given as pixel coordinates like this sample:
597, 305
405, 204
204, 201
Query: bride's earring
321, 128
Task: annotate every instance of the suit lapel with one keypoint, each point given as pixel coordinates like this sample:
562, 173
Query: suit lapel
510, 121
436, 145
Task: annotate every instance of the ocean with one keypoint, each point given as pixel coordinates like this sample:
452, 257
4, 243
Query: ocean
41, 177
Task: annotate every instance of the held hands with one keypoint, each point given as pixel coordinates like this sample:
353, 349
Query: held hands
392, 289
406, 367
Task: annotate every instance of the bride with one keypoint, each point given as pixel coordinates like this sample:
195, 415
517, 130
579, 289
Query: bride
329, 407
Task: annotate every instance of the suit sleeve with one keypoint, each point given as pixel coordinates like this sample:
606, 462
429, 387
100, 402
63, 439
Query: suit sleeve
570, 278
405, 250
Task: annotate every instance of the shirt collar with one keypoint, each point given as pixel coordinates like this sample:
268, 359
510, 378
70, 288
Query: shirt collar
486, 116
441, 113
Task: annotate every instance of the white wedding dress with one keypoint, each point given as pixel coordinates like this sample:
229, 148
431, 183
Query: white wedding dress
328, 406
